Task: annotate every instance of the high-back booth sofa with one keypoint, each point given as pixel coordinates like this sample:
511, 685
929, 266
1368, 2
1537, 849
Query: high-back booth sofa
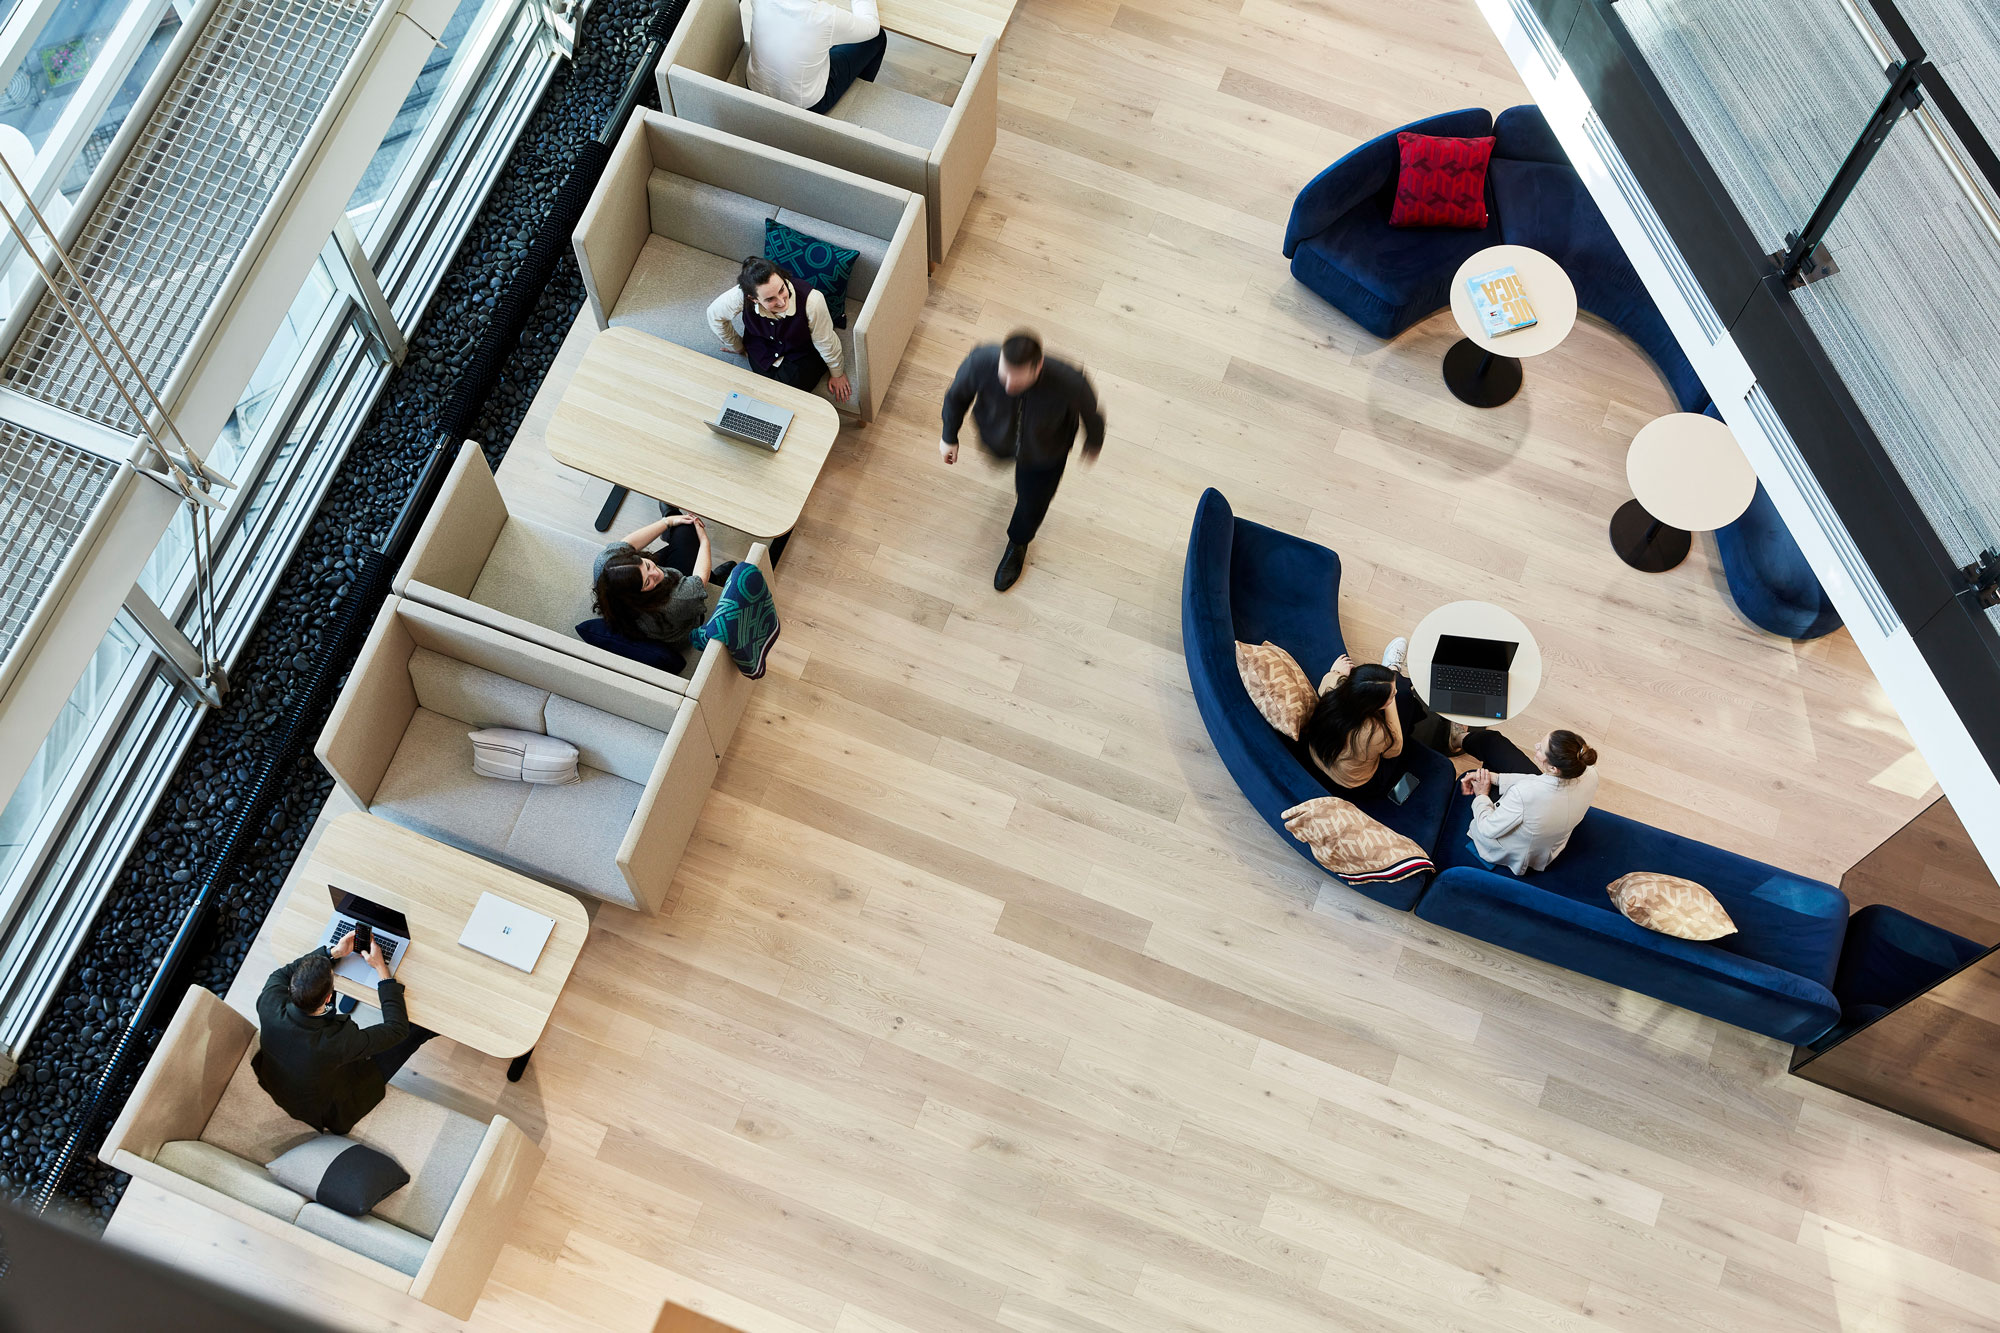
1795, 969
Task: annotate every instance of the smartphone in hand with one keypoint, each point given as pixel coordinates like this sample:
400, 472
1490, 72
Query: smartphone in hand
364, 939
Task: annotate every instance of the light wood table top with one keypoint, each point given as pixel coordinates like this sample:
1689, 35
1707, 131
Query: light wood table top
1549, 289
474, 1000
956, 25
1477, 620
637, 412
1689, 473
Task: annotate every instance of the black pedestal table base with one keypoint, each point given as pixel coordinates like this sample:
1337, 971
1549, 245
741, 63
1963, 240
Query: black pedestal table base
1479, 377
1644, 542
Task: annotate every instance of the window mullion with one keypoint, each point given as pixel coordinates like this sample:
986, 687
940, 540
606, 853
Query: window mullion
81, 113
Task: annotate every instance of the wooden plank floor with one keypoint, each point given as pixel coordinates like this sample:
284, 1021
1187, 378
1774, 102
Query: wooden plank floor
984, 1001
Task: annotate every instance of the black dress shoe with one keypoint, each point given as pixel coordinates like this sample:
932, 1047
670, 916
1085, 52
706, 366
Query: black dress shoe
1010, 567
720, 574
667, 510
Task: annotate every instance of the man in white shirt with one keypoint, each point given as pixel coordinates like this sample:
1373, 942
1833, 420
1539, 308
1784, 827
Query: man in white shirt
788, 332
808, 53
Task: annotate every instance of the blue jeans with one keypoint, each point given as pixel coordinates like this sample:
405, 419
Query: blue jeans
855, 60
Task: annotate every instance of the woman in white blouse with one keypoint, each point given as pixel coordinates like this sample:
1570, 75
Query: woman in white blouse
1522, 821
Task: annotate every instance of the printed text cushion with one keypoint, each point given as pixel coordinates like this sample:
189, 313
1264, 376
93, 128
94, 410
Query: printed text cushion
1442, 182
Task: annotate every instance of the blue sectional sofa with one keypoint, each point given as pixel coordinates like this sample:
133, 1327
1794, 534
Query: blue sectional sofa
1769, 578
1249, 582
1888, 957
1387, 278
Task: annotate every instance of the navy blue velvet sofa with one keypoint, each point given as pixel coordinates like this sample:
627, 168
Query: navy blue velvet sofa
1387, 278
1890, 956
1249, 582
1769, 579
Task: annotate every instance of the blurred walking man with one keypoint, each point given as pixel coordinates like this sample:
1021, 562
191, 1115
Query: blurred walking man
1027, 407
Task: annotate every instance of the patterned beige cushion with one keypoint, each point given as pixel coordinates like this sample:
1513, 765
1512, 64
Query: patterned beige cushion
1353, 845
1277, 685
1670, 905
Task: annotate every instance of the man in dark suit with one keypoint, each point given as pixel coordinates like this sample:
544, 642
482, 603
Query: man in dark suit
1027, 408
319, 1065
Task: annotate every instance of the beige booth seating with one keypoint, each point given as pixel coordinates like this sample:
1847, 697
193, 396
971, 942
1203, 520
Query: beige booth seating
398, 744
680, 206
481, 563
928, 148
198, 1125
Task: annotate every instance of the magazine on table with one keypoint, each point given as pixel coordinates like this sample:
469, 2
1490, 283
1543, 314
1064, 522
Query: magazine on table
1500, 301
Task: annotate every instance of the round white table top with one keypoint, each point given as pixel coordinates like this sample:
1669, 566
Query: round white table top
1688, 472
1549, 292
1477, 620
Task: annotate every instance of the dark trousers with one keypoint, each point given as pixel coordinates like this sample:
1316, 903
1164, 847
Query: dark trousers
680, 547
803, 370
1497, 754
854, 60
1034, 488
397, 1056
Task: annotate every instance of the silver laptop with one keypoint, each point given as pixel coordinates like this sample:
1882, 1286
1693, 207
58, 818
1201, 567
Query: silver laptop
752, 421
507, 931
386, 923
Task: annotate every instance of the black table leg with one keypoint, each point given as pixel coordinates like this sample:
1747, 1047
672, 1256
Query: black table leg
609, 514
1644, 542
1479, 377
518, 1065
778, 544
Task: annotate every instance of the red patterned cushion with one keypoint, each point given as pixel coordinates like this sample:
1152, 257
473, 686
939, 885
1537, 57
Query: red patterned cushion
1443, 182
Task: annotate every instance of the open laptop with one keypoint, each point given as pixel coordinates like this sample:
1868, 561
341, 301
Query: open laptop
507, 931
389, 925
1469, 676
752, 421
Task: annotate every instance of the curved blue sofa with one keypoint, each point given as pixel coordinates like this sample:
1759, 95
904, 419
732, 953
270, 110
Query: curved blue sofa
1769, 578
1387, 278
1776, 975
1249, 582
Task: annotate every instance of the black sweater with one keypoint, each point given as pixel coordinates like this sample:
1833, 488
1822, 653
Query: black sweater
317, 1067
1038, 426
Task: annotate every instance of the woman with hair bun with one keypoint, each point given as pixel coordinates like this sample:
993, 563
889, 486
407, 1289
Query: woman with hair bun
1522, 821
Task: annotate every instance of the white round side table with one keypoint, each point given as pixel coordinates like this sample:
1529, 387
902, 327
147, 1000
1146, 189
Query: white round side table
1688, 476
1477, 620
1486, 371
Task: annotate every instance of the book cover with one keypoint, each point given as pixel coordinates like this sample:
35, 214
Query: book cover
1500, 301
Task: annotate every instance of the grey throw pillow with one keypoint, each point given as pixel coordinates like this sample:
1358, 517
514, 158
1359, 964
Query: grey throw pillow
523, 756
339, 1173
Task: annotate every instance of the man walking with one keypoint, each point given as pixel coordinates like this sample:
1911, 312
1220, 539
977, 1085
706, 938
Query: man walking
1027, 407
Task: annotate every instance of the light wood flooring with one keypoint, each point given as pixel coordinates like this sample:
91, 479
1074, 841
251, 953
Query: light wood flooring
984, 1001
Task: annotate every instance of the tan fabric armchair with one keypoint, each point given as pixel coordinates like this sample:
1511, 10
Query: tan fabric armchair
680, 206
938, 151
398, 744
482, 563
198, 1125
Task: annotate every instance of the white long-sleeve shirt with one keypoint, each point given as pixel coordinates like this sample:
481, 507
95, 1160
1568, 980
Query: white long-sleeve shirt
1531, 822
726, 309
789, 41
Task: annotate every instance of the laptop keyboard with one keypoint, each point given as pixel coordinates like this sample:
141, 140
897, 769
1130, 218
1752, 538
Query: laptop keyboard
1467, 680
341, 925
742, 423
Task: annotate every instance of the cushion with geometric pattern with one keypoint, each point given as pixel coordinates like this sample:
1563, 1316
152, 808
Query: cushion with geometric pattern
1354, 846
1277, 685
1442, 182
1670, 905
816, 263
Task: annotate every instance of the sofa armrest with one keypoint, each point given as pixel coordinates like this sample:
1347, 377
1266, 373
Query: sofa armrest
707, 40
650, 855
616, 222
1366, 171
711, 102
458, 534
178, 1092
481, 1215
964, 148
374, 709
720, 690
894, 305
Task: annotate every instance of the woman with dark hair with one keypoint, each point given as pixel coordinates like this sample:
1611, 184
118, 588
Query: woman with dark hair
1522, 820
658, 595
1355, 735
788, 332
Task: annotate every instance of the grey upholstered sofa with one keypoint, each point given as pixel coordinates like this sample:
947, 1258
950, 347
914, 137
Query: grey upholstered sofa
199, 1125
680, 206
932, 149
398, 744
482, 563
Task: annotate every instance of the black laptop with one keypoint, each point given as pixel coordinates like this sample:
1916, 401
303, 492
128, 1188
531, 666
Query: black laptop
391, 927
1469, 676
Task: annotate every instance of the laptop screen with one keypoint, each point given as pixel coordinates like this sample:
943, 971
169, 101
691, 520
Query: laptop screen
1456, 650
372, 913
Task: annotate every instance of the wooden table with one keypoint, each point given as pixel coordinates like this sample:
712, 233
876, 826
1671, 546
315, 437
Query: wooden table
455, 992
1689, 476
1477, 620
637, 412
1486, 371
956, 25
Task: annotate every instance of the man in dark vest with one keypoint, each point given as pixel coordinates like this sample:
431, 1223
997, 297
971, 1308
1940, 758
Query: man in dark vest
319, 1065
788, 332
1028, 408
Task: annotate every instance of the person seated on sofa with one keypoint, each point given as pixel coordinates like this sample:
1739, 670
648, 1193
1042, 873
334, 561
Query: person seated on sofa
1356, 732
659, 595
785, 338
319, 1065
808, 53
1523, 813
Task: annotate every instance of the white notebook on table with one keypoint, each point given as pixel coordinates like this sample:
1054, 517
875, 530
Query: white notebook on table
507, 931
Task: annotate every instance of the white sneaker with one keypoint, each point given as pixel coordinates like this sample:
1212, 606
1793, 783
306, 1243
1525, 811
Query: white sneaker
1392, 656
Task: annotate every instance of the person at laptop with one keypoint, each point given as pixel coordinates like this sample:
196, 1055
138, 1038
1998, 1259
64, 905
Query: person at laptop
319, 1065
658, 595
788, 332
1522, 816
1357, 730
808, 53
